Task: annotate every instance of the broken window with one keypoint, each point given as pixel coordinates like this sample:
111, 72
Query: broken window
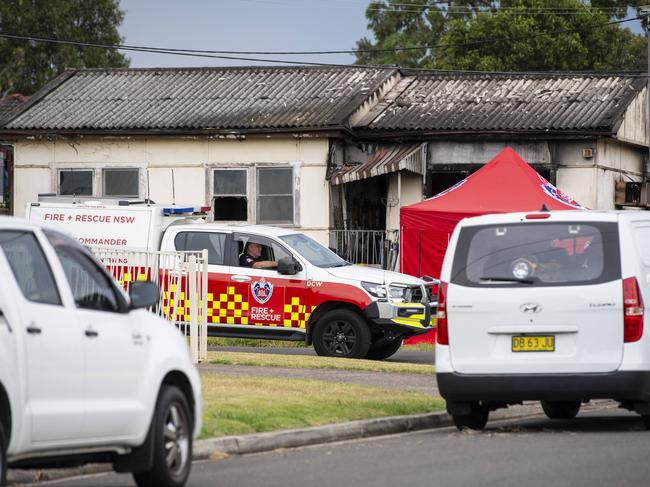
275, 195
121, 182
74, 182
230, 189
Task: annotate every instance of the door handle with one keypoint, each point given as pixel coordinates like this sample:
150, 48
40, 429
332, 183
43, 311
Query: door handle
240, 278
33, 329
90, 333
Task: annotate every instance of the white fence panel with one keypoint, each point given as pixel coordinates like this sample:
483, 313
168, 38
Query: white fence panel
182, 278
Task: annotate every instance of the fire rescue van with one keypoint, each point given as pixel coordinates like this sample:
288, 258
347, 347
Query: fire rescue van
264, 282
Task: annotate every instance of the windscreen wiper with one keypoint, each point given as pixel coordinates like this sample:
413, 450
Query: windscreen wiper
508, 279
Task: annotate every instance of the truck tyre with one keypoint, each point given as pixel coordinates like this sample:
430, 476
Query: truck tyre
561, 409
3, 457
342, 333
476, 419
172, 442
383, 348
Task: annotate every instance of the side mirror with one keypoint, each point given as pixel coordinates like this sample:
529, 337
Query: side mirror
287, 266
143, 294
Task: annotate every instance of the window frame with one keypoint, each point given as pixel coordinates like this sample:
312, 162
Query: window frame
112, 168
258, 195
76, 169
213, 195
252, 187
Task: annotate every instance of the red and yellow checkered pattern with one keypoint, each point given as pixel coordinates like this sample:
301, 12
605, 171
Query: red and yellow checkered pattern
295, 314
228, 309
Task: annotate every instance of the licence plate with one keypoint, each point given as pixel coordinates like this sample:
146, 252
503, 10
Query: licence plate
531, 343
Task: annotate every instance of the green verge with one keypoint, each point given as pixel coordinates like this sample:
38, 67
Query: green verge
314, 362
234, 405
249, 342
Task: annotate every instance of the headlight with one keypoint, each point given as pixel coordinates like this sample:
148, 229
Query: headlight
397, 292
376, 290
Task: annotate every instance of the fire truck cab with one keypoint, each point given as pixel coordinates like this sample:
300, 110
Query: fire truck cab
266, 282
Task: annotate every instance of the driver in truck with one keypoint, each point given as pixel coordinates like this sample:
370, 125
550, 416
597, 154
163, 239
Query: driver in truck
252, 257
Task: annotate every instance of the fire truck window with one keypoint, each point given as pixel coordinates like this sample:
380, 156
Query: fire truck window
30, 267
90, 286
73, 182
269, 251
214, 242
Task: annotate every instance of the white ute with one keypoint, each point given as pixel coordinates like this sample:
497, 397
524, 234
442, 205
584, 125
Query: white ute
87, 374
545, 306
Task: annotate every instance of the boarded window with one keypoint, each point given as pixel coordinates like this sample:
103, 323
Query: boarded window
230, 191
275, 195
73, 182
122, 182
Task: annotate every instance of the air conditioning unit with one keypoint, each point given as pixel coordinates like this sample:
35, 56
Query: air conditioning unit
631, 193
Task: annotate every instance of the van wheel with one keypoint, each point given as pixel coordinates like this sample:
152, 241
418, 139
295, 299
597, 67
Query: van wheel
172, 442
383, 348
561, 409
342, 333
475, 420
3, 457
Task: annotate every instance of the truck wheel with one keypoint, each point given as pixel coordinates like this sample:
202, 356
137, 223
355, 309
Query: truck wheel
561, 409
383, 348
3, 457
342, 333
476, 419
172, 442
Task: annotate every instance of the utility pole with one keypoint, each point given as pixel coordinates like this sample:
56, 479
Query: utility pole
645, 13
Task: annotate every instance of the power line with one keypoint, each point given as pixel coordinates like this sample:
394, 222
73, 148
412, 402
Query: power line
232, 55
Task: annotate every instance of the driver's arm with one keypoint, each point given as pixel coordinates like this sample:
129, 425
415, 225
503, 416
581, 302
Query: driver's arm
265, 264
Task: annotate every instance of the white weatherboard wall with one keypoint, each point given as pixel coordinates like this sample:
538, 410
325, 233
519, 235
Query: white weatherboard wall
191, 159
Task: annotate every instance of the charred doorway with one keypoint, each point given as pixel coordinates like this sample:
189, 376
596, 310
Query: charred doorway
365, 204
6, 179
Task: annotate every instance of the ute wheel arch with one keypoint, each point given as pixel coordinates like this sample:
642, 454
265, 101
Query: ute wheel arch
325, 308
5, 413
141, 458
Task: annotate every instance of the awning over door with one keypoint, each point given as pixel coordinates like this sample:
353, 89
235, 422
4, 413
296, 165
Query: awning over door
385, 160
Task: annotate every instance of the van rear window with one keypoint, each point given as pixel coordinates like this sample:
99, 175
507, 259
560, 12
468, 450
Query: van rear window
537, 254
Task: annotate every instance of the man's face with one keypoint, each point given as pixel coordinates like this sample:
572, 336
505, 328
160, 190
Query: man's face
254, 250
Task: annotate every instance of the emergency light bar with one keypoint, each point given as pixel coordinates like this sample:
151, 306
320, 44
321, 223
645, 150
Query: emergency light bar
175, 210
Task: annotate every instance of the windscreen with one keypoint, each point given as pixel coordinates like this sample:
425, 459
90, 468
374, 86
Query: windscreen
543, 254
314, 252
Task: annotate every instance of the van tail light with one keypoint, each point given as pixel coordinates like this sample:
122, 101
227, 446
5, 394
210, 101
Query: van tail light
443, 330
632, 310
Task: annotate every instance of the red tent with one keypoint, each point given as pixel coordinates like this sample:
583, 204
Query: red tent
505, 184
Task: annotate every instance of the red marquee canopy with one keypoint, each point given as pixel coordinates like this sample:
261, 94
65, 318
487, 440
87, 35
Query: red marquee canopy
505, 184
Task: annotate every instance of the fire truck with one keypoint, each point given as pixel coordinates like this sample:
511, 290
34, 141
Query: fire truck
292, 288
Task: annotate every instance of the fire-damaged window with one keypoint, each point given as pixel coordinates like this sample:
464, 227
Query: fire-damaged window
121, 182
76, 182
275, 195
230, 201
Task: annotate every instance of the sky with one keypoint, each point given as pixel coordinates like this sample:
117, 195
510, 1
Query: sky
241, 25
245, 25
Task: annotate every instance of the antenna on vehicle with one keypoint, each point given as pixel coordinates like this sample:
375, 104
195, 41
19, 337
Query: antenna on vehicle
148, 198
544, 207
173, 189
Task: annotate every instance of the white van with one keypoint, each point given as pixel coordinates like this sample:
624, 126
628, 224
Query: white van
545, 306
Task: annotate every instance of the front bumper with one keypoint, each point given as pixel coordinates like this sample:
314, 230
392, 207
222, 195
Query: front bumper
406, 319
620, 385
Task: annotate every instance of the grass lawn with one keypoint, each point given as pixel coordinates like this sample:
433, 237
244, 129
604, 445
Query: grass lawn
313, 362
240, 405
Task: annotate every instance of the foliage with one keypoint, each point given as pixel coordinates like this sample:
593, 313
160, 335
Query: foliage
25, 66
503, 36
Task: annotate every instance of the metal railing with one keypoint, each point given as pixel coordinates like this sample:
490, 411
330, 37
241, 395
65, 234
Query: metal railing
182, 278
378, 248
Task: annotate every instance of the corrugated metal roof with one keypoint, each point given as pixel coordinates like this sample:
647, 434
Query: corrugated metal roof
200, 98
508, 102
385, 160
